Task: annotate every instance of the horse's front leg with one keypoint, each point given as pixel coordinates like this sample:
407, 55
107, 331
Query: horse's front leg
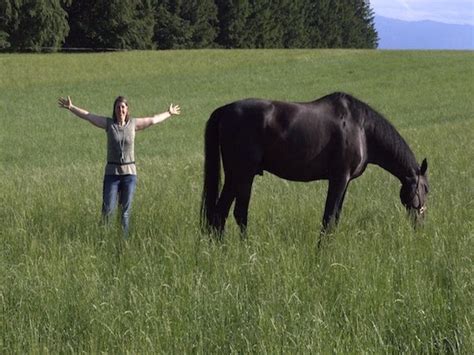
334, 200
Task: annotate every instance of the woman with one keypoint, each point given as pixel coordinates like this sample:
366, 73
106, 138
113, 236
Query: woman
120, 172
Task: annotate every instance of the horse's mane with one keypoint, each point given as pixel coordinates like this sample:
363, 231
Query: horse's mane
380, 133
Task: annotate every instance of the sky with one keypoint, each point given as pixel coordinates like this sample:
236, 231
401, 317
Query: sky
459, 12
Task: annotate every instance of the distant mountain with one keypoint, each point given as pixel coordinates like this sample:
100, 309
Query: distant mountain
398, 34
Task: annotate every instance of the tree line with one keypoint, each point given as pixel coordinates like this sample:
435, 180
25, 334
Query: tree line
38, 25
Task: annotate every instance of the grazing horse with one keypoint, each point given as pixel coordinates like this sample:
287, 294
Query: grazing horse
332, 138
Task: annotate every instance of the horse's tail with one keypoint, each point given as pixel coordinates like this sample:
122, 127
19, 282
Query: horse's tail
212, 169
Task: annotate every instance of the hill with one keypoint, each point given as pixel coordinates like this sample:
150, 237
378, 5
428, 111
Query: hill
398, 34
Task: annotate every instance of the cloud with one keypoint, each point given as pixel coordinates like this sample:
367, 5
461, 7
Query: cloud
448, 11
405, 5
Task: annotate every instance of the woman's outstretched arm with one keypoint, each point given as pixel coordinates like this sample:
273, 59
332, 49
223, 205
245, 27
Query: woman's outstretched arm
142, 123
97, 121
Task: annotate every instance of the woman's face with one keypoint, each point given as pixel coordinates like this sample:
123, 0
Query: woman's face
121, 110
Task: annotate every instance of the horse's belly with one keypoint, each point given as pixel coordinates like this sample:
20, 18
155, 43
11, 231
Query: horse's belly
298, 172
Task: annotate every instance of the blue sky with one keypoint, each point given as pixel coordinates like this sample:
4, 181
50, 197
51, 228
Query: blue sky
447, 11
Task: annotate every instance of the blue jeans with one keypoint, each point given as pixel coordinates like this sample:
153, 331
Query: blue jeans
123, 187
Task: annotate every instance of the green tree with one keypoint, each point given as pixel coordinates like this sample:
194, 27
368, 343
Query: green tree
323, 23
4, 40
357, 25
5, 20
262, 23
292, 15
118, 24
341, 24
232, 16
146, 24
263, 26
368, 33
185, 24
202, 15
33, 25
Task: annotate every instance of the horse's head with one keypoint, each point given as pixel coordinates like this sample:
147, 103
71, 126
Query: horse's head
414, 193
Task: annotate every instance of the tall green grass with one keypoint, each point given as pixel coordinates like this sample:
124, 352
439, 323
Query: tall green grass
67, 284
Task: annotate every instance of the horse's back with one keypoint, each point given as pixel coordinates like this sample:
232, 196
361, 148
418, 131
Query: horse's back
263, 113
326, 115
241, 111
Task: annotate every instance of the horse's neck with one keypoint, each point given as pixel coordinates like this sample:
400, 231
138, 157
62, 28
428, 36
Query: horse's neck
389, 150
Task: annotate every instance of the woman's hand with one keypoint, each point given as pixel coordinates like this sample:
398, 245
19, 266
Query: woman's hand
142, 123
65, 102
174, 110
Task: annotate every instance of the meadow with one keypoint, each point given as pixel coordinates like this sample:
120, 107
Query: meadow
69, 285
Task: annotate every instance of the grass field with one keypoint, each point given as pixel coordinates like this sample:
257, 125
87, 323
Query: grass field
68, 285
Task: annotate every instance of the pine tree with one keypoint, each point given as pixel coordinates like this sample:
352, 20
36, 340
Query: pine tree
341, 24
292, 15
33, 25
4, 43
325, 21
6, 23
171, 31
368, 32
263, 29
146, 24
202, 15
262, 24
185, 24
118, 24
232, 16
80, 14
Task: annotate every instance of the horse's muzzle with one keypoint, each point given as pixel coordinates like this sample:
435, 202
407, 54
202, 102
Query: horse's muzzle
417, 215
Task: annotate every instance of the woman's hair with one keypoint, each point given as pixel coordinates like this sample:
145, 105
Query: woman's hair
117, 100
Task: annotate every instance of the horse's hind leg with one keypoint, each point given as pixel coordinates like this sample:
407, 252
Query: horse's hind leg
223, 206
244, 190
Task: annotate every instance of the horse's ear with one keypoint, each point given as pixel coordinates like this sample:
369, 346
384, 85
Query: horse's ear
424, 167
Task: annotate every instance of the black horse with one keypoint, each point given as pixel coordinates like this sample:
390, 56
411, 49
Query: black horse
332, 138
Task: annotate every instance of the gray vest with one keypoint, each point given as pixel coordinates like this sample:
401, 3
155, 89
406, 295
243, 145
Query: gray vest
120, 148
